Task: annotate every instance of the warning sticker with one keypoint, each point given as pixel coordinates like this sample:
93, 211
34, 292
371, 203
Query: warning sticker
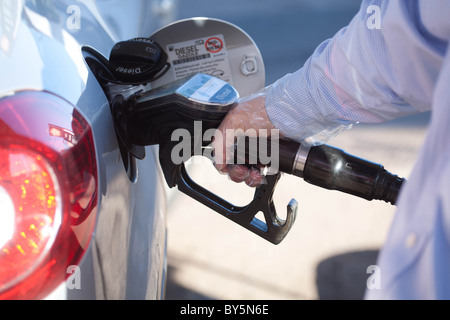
214, 45
206, 55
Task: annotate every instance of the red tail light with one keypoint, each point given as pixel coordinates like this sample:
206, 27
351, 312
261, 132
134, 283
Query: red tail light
48, 192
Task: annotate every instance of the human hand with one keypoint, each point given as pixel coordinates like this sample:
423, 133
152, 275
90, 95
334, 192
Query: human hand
249, 118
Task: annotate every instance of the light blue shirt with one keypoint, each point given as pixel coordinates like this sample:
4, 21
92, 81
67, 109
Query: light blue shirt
391, 60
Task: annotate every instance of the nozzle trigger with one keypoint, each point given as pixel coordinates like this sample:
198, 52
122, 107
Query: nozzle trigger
273, 229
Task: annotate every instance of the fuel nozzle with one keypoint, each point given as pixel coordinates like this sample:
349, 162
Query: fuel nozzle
198, 103
191, 106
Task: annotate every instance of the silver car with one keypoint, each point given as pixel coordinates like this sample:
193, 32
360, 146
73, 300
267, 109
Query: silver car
78, 217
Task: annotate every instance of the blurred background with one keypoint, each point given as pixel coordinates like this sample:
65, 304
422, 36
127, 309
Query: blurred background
336, 237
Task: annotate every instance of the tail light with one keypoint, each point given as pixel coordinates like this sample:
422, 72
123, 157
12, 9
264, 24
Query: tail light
48, 192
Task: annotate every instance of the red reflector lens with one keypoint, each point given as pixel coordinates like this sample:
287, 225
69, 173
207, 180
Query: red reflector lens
31, 213
48, 192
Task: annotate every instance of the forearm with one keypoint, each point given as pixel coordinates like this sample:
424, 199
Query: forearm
360, 75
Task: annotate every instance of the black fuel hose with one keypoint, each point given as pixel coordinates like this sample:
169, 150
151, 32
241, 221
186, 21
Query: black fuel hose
333, 169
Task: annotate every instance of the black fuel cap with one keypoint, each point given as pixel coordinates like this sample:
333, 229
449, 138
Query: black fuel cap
138, 60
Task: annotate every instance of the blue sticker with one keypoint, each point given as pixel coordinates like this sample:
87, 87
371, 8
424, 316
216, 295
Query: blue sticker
208, 89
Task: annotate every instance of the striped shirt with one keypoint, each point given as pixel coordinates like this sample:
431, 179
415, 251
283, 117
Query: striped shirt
392, 60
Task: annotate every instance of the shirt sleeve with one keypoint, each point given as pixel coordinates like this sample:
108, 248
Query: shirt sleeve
382, 66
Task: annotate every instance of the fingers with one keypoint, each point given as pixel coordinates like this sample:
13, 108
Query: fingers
255, 178
241, 173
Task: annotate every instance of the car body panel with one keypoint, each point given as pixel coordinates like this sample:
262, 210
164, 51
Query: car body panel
41, 49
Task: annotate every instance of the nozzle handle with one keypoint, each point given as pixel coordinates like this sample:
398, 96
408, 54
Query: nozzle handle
273, 229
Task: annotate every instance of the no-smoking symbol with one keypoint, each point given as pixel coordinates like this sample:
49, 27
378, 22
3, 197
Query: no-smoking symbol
214, 45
